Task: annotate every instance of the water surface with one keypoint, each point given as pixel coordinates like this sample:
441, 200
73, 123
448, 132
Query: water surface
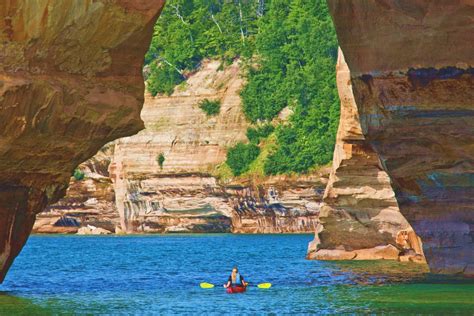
160, 274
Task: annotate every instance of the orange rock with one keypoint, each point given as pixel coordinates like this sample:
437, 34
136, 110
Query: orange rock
412, 77
360, 212
70, 81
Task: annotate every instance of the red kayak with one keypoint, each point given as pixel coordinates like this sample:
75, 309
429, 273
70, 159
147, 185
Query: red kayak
236, 289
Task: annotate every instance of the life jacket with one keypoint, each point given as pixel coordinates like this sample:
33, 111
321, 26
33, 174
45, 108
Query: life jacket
238, 280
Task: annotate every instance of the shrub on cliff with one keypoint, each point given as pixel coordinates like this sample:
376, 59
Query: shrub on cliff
162, 79
161, 160
211, 108
241, 156
78, 175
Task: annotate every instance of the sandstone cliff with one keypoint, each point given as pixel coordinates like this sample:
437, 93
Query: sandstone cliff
88, 202
182, 195
69, 83
360, 218
412, 77
277, 204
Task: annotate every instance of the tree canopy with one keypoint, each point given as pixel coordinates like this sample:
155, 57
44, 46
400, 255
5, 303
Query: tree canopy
288, 50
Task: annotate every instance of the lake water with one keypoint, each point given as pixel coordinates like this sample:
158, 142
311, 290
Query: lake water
161, 275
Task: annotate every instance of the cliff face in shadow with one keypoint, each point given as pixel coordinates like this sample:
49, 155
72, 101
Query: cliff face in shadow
69, 83
411, 71
360, 218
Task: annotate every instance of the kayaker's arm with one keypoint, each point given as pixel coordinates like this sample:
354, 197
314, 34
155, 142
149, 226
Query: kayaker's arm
242, 280
229, 282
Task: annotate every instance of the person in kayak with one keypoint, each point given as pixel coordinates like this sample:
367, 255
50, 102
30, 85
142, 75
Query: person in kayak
235, 279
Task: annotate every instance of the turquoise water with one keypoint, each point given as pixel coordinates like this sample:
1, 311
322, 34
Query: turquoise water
161, 275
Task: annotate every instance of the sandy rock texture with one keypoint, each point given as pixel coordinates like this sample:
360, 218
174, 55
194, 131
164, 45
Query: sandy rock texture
88, 201
360, 215
277, 204
70, 81
412, 77
192, 143
183, 194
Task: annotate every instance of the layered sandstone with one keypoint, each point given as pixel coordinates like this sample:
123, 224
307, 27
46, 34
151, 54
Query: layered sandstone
360, 214
412, 77
88, 202
149, 195
183, 195
69, 83
277, 204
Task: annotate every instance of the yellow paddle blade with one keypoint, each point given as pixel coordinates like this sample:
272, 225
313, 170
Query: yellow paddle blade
264, 285
205, 285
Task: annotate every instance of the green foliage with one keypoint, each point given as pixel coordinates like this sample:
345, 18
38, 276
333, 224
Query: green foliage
190, 30
256, 134
78, 175
211, 108
162, 79
161, 160
297, 51
289, 50
241, 156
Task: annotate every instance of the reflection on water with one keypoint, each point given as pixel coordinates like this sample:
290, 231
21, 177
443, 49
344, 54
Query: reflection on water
160, 275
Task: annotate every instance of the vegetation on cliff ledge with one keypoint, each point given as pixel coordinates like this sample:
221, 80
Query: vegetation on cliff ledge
211, 108
160, 159
288, 50
78, 175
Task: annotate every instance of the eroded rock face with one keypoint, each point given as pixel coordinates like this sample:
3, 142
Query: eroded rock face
412, 76
70, 81
149, 195
360, 216
88, 201
184, 194
278, 204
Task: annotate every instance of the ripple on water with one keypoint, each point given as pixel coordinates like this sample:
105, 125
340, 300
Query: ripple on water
160, 275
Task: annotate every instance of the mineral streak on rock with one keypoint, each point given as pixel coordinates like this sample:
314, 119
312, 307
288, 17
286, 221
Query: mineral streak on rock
278, 204
360, 218
411, 67
70, 81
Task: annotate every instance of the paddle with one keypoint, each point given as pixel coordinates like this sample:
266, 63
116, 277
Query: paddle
264, 285
205, 285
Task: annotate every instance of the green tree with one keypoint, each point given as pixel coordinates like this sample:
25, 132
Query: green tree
190, 30
297, 48
256, 134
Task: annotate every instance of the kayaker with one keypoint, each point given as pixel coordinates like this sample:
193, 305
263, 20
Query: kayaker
235, 279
